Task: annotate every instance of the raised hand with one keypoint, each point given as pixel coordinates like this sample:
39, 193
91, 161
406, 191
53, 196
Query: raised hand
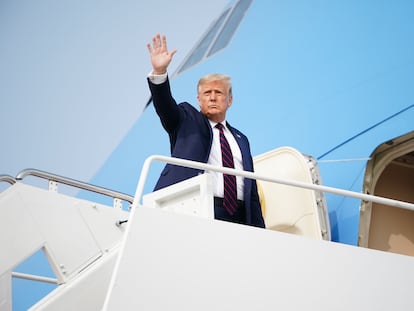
160, 56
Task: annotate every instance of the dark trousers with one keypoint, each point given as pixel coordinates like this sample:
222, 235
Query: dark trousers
221, 213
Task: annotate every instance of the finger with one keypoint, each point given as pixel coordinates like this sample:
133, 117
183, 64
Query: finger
164, 42
154, 42
158, 41
149, 47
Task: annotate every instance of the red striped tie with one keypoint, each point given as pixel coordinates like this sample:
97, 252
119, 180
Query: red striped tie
230, 188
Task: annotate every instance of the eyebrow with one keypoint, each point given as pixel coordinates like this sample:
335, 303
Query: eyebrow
211, 90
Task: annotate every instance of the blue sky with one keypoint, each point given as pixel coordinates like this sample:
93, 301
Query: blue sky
306, 74
72, 76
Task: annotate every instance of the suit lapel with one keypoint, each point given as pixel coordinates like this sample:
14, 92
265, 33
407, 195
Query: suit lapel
243, 145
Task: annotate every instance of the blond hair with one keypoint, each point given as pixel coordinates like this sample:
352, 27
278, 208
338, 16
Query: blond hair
215, 77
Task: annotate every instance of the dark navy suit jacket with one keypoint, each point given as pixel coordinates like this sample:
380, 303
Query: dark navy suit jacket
191, 137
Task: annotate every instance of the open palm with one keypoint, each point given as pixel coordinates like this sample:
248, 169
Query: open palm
160, 56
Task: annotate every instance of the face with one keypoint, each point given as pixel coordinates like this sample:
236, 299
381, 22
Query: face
214, 100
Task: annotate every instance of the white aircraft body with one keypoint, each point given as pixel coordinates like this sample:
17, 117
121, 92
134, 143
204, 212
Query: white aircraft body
324, 93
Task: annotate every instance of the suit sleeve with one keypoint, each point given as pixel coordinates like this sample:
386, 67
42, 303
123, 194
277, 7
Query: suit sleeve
165, 105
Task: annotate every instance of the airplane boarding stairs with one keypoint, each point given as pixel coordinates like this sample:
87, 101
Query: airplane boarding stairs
172, 254
79, 238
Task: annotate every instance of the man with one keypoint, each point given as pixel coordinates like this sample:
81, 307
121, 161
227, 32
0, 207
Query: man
205, 136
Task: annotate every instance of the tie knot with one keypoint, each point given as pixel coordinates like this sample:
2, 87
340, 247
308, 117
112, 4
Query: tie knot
219, 126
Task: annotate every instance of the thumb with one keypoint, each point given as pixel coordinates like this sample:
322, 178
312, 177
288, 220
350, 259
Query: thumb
172, 53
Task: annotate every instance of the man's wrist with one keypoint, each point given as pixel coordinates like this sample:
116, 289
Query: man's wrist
159, 72
157, 78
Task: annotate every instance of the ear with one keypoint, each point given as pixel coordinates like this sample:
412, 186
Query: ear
230, 101
198, 100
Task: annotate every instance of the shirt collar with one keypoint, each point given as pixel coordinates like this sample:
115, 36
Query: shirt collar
213, 124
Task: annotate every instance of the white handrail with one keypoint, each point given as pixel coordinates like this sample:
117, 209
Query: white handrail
246, 174
7, 178
74, 183
32, 277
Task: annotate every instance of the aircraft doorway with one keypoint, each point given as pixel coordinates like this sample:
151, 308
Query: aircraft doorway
390, 174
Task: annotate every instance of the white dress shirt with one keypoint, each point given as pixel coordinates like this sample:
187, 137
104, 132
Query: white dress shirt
215, 159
